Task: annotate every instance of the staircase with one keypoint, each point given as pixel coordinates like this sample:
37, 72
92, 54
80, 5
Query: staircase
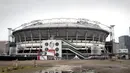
72, 48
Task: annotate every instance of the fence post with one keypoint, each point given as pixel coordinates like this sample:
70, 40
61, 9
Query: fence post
35, 64
16, 63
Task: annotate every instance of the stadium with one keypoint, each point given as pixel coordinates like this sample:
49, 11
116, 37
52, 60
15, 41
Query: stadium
58, 38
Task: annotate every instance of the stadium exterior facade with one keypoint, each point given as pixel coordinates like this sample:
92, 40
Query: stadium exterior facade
76, 37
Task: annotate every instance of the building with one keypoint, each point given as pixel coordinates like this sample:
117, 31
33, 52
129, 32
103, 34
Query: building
112, 47
115, 47
108, 46
3, 47
124, 47
65, 38
124, 42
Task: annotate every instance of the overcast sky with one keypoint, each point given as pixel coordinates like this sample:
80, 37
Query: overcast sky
13, 13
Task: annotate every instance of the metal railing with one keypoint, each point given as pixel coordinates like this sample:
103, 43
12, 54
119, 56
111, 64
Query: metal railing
72, 48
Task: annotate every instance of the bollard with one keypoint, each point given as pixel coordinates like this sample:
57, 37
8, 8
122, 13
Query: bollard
16, 63
80, 68
35, 64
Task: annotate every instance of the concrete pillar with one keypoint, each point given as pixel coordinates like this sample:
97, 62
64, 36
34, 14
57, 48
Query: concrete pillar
9, 39
19, 38
31, 41
86, 40
67, 33
112, 33
76, 38
67, 54
48, 32
40, 39
24, 40
99, 38
9, 34
57, 32
93, 47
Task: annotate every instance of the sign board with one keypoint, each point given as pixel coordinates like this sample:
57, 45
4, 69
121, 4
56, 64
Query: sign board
123, 51
52, 47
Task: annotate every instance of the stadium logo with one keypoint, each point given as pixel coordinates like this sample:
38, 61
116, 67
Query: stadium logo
51, 45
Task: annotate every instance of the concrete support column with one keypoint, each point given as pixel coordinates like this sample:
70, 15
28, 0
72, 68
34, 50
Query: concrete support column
93, 38
9, 34
104, 38
99, 37
19, 38
24, 40
76, 38
67, 33
86, 40
67, 54
105, 49
93, 47
17, 43
13, 38
112, 33
31, 41
57, 32
9, 39
40, 39
48, 32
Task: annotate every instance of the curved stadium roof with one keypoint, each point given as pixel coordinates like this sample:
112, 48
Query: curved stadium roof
62, 22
